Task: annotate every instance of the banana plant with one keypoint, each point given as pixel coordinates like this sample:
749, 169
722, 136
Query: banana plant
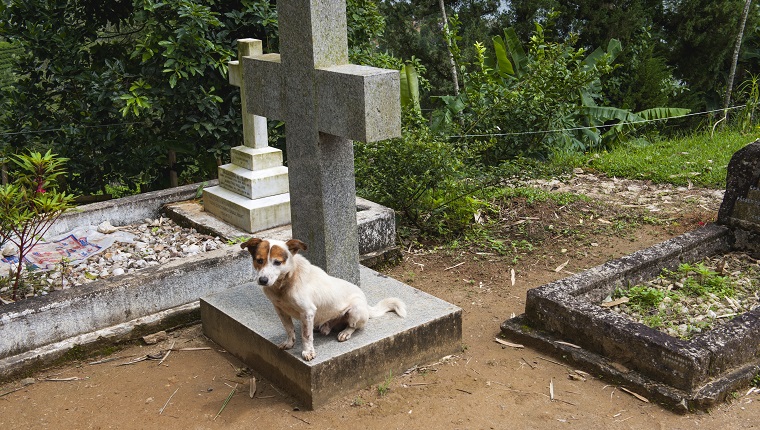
410, 88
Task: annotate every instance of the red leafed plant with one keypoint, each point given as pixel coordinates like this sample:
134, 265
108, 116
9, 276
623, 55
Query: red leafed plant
31, 204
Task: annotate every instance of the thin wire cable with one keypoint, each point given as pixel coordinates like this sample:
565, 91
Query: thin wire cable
119, 124
522, 133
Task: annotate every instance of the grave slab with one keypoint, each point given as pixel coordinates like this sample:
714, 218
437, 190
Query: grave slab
695, 373
685, 374
376, 225
243, 321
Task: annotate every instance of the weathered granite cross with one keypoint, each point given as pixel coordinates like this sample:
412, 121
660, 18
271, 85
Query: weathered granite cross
325, 103
254, 126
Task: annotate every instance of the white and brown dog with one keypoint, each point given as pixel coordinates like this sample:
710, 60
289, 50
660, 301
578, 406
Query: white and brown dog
301, 290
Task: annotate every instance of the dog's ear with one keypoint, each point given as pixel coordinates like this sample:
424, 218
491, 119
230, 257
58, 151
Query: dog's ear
295, 245
251, 244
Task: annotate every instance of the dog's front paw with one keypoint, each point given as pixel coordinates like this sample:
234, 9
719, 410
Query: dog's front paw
287, 344
308, 355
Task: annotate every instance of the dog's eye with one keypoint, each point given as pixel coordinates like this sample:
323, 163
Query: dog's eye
277, 262
260, 261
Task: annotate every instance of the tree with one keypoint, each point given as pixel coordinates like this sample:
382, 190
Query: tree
115, 87
700, 35
31, 204
735, 58
415, 30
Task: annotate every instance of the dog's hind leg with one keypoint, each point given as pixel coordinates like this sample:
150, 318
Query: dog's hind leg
356, 317
338, 323
290, 330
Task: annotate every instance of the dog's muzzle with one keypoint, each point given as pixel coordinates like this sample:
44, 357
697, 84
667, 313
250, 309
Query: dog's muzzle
263, 280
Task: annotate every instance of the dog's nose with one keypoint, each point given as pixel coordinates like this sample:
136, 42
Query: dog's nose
263, 280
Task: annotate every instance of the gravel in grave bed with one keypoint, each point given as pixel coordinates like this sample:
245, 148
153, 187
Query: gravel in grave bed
693, 298
156, 242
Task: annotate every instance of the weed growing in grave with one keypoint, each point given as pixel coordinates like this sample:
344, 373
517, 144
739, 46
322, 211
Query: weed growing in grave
642, 298
696, 296
756, 381
385, 386
701, 280
237, 240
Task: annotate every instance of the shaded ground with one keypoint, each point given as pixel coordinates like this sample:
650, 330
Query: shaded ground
485, 386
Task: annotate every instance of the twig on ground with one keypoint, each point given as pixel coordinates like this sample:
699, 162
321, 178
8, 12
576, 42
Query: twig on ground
136, 360
638, 396
227, 400
167, 401
451, 267
571, 345
167, 353
551, 361
464, 391
505, 343
73, 378
300, 419
11, 391
105, 360
528, 363
551, 389
198, 348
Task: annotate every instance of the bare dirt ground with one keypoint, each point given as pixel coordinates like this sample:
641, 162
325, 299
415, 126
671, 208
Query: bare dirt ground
485, 386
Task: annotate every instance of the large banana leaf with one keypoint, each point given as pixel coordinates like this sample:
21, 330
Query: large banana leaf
516, 51
410, 90
601, 114
662, 113
503, 65
613, 50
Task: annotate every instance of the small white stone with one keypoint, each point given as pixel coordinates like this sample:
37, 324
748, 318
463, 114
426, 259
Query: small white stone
117, 271
105, 227
9, 249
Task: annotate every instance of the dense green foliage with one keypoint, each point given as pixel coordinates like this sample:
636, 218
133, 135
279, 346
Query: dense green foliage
7, 51
688, 42
122, 87
118, 96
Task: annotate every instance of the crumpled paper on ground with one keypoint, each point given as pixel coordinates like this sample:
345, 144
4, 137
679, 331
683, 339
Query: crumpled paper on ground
74, 246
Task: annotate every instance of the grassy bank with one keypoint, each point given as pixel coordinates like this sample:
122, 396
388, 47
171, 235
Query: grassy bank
698, 159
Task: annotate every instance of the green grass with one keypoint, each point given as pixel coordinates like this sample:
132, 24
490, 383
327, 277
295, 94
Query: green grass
699, 158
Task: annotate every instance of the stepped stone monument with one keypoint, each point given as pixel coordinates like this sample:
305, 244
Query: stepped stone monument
325, 103
253, 189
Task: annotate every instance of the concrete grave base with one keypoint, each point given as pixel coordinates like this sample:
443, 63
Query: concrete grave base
243, 321
376, 226
686, 374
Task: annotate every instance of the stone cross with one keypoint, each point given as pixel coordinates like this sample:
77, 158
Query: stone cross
325, 103
253, 188
254, 126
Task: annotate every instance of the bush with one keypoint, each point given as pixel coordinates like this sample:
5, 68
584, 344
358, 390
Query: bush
423, 178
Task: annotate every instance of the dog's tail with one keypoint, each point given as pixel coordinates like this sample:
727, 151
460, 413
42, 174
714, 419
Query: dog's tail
387, 305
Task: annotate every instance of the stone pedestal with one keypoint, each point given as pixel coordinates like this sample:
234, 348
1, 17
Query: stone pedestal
252, 195
243, 321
